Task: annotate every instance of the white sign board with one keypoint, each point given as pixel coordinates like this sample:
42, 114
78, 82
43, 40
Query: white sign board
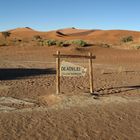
70, 69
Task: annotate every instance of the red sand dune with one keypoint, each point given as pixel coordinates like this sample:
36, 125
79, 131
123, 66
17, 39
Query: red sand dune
112, 37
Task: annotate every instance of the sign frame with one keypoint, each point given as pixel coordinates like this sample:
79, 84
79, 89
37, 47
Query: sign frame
58, 56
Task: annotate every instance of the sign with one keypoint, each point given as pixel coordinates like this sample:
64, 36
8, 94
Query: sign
70, 69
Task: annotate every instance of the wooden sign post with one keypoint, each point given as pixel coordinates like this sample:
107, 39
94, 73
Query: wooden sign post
58, 73
90, 73
73, 67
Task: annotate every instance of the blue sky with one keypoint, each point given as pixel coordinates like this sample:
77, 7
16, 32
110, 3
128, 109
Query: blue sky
47, 15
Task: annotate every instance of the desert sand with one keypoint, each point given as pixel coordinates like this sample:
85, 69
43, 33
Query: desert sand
30, 108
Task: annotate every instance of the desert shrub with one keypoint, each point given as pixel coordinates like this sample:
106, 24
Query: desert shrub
127, 39
3, 44
47, 42
66, 43
37, 37
59, 43
79, 43
40, 43
51, 42
105, 45
43, 43
6, 34
136, 47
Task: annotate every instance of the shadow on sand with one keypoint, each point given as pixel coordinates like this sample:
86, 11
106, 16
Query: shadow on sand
116, 90
20, 73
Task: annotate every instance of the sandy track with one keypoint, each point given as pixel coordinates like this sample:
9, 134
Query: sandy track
104, 118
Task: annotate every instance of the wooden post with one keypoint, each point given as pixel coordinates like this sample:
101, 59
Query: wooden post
90, 73
58, 73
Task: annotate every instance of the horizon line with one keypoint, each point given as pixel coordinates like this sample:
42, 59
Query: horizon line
35, 29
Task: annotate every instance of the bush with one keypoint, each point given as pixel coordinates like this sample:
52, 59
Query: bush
79, 43
51, 42
40, 43
137, 47
127, 39
105, 45
3, 44
59, 43
66, 43
47, 42
6, 34
37, 37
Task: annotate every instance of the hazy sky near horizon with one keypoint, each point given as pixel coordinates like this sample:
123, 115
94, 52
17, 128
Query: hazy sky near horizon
55, 14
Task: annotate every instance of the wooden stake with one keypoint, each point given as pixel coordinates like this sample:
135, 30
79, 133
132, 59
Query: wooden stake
90, 73
58, 73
